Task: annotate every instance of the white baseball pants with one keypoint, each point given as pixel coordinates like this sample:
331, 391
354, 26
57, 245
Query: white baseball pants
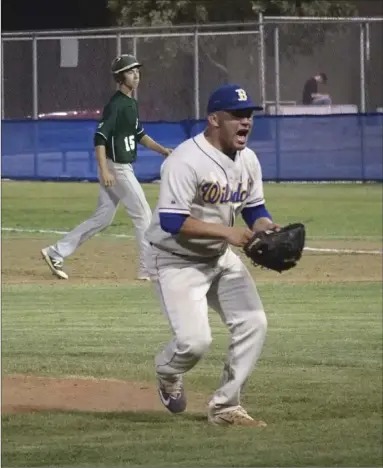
129, 192
185, 289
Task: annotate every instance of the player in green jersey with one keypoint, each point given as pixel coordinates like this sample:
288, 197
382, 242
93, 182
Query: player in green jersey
116, 138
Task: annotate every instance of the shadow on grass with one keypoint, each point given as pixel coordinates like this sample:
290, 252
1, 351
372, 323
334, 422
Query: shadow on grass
150, 417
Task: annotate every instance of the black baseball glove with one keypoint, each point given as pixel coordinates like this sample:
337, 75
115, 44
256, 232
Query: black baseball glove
278, 249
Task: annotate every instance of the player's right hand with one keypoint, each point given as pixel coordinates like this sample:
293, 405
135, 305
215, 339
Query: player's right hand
239, 236
107, 178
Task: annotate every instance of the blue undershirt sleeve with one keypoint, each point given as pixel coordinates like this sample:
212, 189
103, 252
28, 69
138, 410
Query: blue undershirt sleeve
172, 222
251, 214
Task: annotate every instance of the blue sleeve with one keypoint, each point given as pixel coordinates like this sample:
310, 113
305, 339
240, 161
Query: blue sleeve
172, 222
251, 214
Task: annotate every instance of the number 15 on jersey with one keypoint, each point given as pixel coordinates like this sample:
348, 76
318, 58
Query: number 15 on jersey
130, 143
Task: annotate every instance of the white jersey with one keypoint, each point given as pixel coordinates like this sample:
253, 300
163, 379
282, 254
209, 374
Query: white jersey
200, 181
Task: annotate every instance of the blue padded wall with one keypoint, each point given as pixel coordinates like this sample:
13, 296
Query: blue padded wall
290, 148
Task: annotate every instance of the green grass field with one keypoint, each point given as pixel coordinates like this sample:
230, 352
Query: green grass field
318, 384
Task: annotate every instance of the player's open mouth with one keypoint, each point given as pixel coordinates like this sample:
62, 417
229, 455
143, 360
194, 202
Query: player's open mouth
242, 135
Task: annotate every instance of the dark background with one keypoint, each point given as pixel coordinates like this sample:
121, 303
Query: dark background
23, 15
88, 85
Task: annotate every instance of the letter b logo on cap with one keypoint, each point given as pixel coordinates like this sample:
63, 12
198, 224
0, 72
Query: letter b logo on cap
242, 96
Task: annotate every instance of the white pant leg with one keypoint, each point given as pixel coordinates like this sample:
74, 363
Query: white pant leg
181, 287
101, 219
234, 296
132, 196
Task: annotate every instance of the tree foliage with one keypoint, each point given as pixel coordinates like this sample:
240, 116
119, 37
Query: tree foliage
168, 12
302, 38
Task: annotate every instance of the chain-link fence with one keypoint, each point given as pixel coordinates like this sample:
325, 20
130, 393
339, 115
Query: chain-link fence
83, 86
374, 64
348, 50
166, 90
306, 51
17, 77
51, 72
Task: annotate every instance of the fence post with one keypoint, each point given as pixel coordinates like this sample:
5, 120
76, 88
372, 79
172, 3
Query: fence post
362, 68
362, 53
277, 69
118, 51
35, 108
135, 92
262, 60
118, 44
34, 79
2, 79
277, 103
196, 75
367, 65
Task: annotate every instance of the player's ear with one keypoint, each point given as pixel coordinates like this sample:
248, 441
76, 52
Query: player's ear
213, 120
118, 78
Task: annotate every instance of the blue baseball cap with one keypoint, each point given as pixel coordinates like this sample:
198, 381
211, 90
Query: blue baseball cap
229, 98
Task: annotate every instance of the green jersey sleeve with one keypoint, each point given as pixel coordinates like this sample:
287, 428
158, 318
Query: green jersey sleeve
107, 123
140, 130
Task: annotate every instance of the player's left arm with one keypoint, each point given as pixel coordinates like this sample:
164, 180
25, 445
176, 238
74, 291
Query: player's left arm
149, 143
255, 214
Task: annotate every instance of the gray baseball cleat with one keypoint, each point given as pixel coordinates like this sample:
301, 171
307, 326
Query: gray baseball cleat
55, 265
143, 277
232, 416
172, 393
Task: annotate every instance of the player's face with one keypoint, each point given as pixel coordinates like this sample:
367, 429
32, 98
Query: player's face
132, 78
234, 128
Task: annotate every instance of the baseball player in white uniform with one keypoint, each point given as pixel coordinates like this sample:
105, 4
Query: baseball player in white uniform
205, 183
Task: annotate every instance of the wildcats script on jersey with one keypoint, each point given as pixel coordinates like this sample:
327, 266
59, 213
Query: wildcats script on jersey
200, 181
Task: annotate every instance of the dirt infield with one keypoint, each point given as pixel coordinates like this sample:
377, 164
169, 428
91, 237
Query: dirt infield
22, 393
115, 261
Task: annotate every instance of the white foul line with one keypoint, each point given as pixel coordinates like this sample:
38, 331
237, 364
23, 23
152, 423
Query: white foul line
345, 251
126, 236
53, 231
